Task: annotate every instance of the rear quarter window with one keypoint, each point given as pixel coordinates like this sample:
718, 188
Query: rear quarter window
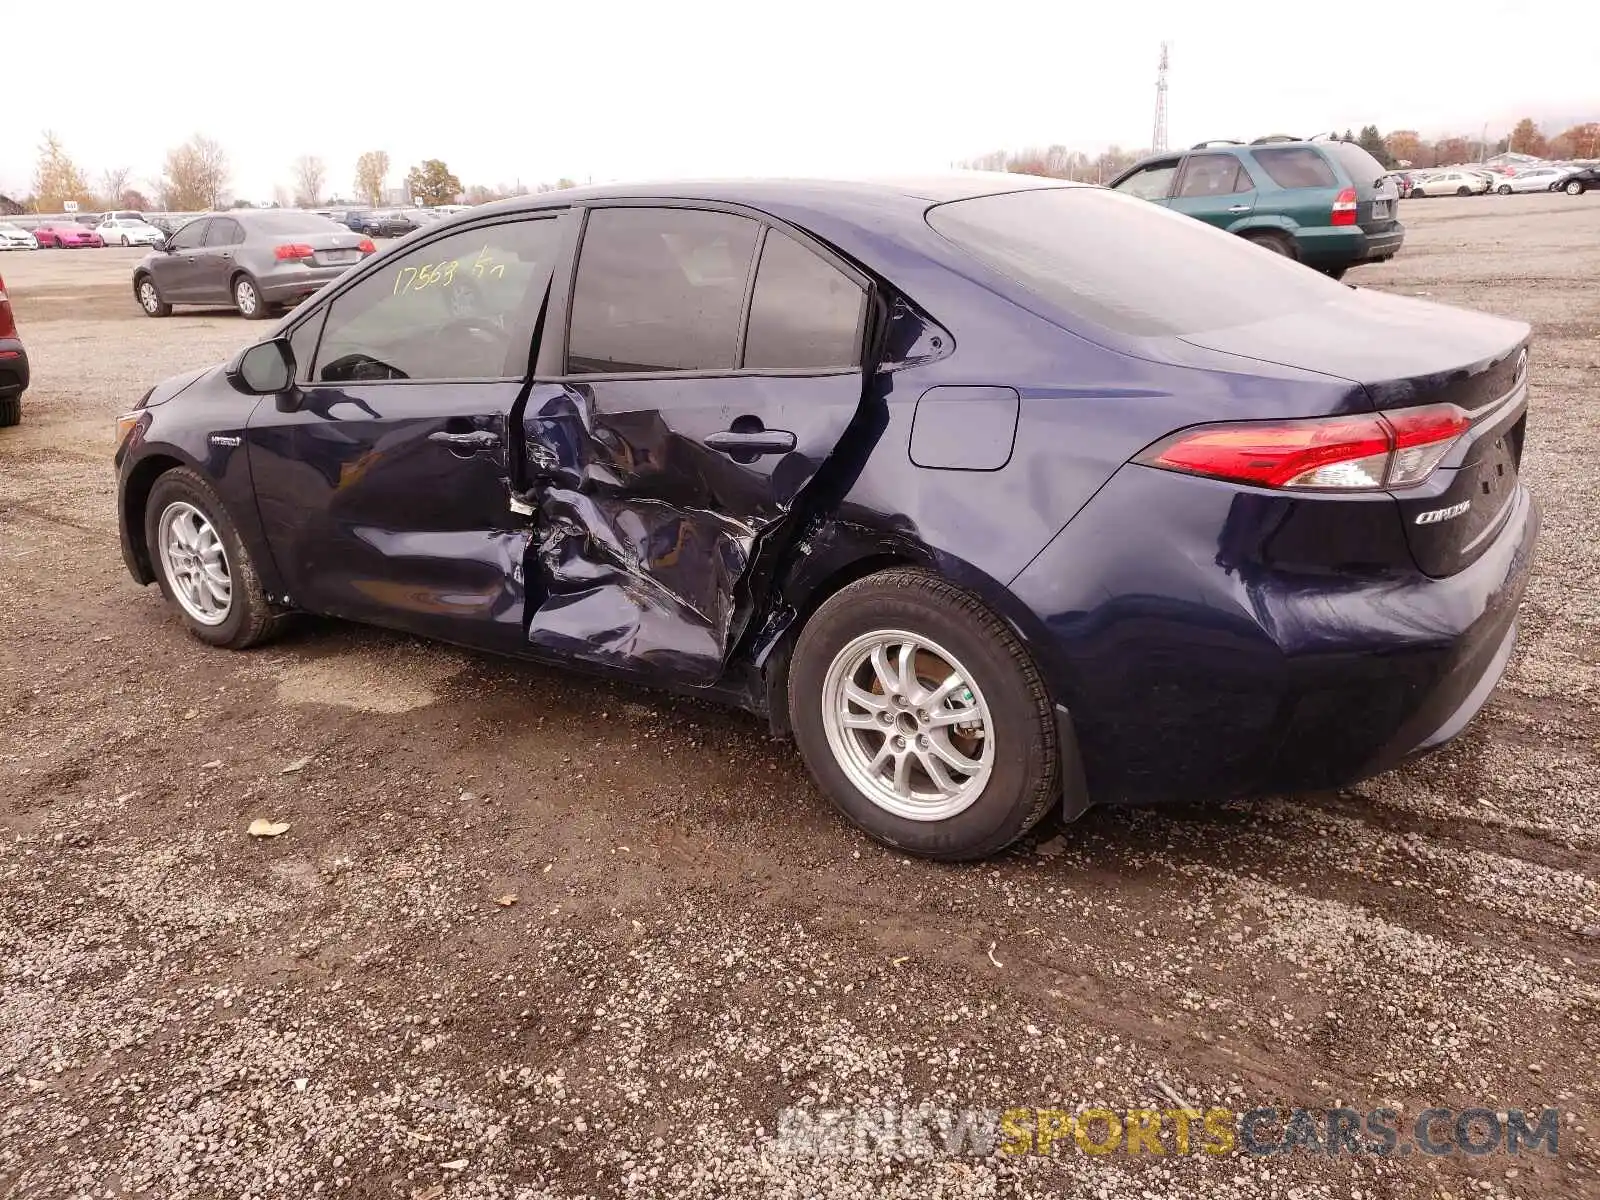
1296, 167
1127, 266
1363, 169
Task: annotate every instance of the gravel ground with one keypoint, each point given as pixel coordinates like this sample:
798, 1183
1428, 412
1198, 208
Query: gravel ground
358, 1007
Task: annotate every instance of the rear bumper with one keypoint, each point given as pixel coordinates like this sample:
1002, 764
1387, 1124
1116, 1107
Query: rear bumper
1206, 649
1343, 246
296, 282
13, 368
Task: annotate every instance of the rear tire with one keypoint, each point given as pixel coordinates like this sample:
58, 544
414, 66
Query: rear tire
1274, 242
125, 241
247, 299
149, 297
10, 411
1335, 272
245, 618
965, 710
1463, 191
1504, 189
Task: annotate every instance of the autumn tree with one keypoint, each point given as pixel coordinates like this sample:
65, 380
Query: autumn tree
194, 176
1580, 141
1405, 146
57, 179
372, 172
135, 199
1527, 138
432, 183
310, 174
1451, 151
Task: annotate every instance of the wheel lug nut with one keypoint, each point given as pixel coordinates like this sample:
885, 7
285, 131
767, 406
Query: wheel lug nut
899, 742
900, 701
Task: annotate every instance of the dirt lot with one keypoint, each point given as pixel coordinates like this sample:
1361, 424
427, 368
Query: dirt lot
696, 942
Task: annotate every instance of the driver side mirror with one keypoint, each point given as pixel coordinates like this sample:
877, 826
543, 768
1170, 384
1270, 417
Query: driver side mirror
264, 369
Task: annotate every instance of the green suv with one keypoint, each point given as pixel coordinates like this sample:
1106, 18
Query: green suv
1330, 205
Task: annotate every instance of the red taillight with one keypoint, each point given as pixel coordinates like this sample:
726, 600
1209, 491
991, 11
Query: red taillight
367, 246
8, 323
1344, 207
1396, 449
293, 250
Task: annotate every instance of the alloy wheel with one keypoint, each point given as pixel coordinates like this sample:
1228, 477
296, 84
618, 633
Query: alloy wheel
244, 294
148, 296
195, 563
908, 725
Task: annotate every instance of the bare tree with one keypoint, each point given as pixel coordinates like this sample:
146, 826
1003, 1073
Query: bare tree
310, 173
372, 170
113, 183
196, 174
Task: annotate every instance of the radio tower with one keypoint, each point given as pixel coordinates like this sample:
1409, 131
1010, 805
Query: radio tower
1158, 137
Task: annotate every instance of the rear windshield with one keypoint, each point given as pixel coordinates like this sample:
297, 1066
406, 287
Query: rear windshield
1363, 169
1128, 265
293, 222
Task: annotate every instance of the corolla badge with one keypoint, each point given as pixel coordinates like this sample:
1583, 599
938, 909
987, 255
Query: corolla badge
1434, 516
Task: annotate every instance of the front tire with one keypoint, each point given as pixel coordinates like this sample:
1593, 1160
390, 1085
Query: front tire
201, 565
149, 297
125, 242
247, 299
1504, 189
1574, 187
922, 718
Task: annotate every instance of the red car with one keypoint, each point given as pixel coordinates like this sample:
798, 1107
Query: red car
67, 234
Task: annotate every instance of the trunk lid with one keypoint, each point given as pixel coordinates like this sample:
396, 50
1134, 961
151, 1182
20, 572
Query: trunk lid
1406, 353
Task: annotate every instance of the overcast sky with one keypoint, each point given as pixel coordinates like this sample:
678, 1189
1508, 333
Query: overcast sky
534, 91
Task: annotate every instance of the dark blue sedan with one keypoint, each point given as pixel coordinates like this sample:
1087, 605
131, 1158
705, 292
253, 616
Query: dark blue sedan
999, 495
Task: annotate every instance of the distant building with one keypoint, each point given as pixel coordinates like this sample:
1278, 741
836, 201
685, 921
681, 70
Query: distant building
9, 207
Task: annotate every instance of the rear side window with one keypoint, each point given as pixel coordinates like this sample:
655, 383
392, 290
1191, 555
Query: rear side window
1150, 183
1137, 269
659, 289
1358, 164
803, 312
460, 307
1296, 167
1213, 175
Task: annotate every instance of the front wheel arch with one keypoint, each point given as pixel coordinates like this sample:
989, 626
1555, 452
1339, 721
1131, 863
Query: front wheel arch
135, 497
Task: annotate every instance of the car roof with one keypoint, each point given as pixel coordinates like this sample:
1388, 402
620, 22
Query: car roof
916, 192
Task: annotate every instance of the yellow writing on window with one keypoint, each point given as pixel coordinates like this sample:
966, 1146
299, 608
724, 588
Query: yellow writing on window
443, 274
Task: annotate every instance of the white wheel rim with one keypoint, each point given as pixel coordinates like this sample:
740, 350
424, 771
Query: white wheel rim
246, 295
908, 725
195, 563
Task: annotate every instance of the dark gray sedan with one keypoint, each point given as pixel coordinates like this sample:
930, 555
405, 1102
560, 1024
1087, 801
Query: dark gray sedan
255, 260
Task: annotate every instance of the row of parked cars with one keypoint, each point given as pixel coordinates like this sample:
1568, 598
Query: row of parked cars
127, 228
1571, 178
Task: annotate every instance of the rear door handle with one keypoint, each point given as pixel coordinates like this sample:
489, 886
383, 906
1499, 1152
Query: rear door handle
1239, 208
478, 439
759, 441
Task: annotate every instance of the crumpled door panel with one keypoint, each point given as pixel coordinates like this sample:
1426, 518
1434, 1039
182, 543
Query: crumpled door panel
643, 533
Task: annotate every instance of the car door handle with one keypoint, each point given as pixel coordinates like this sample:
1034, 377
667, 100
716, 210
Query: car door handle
758, 441
1239, 208
478, 439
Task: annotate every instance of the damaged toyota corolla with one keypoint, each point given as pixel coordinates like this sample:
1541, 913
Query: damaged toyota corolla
1000, 496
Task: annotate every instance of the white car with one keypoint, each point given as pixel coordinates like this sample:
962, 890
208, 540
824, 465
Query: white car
123, 231
1534, 179
1451, 183
14, 237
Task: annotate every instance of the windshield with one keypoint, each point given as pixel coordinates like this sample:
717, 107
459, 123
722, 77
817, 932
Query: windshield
1126, 264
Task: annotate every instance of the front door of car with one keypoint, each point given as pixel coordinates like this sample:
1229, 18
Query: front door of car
1214, 188
382, 479
712, 366
178, 271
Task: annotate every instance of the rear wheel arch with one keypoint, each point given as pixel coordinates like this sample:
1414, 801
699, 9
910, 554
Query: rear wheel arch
1279, 241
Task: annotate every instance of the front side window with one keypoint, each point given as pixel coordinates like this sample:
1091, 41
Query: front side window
188, 238
659, 289
461, 307
803, 312
1151, 183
